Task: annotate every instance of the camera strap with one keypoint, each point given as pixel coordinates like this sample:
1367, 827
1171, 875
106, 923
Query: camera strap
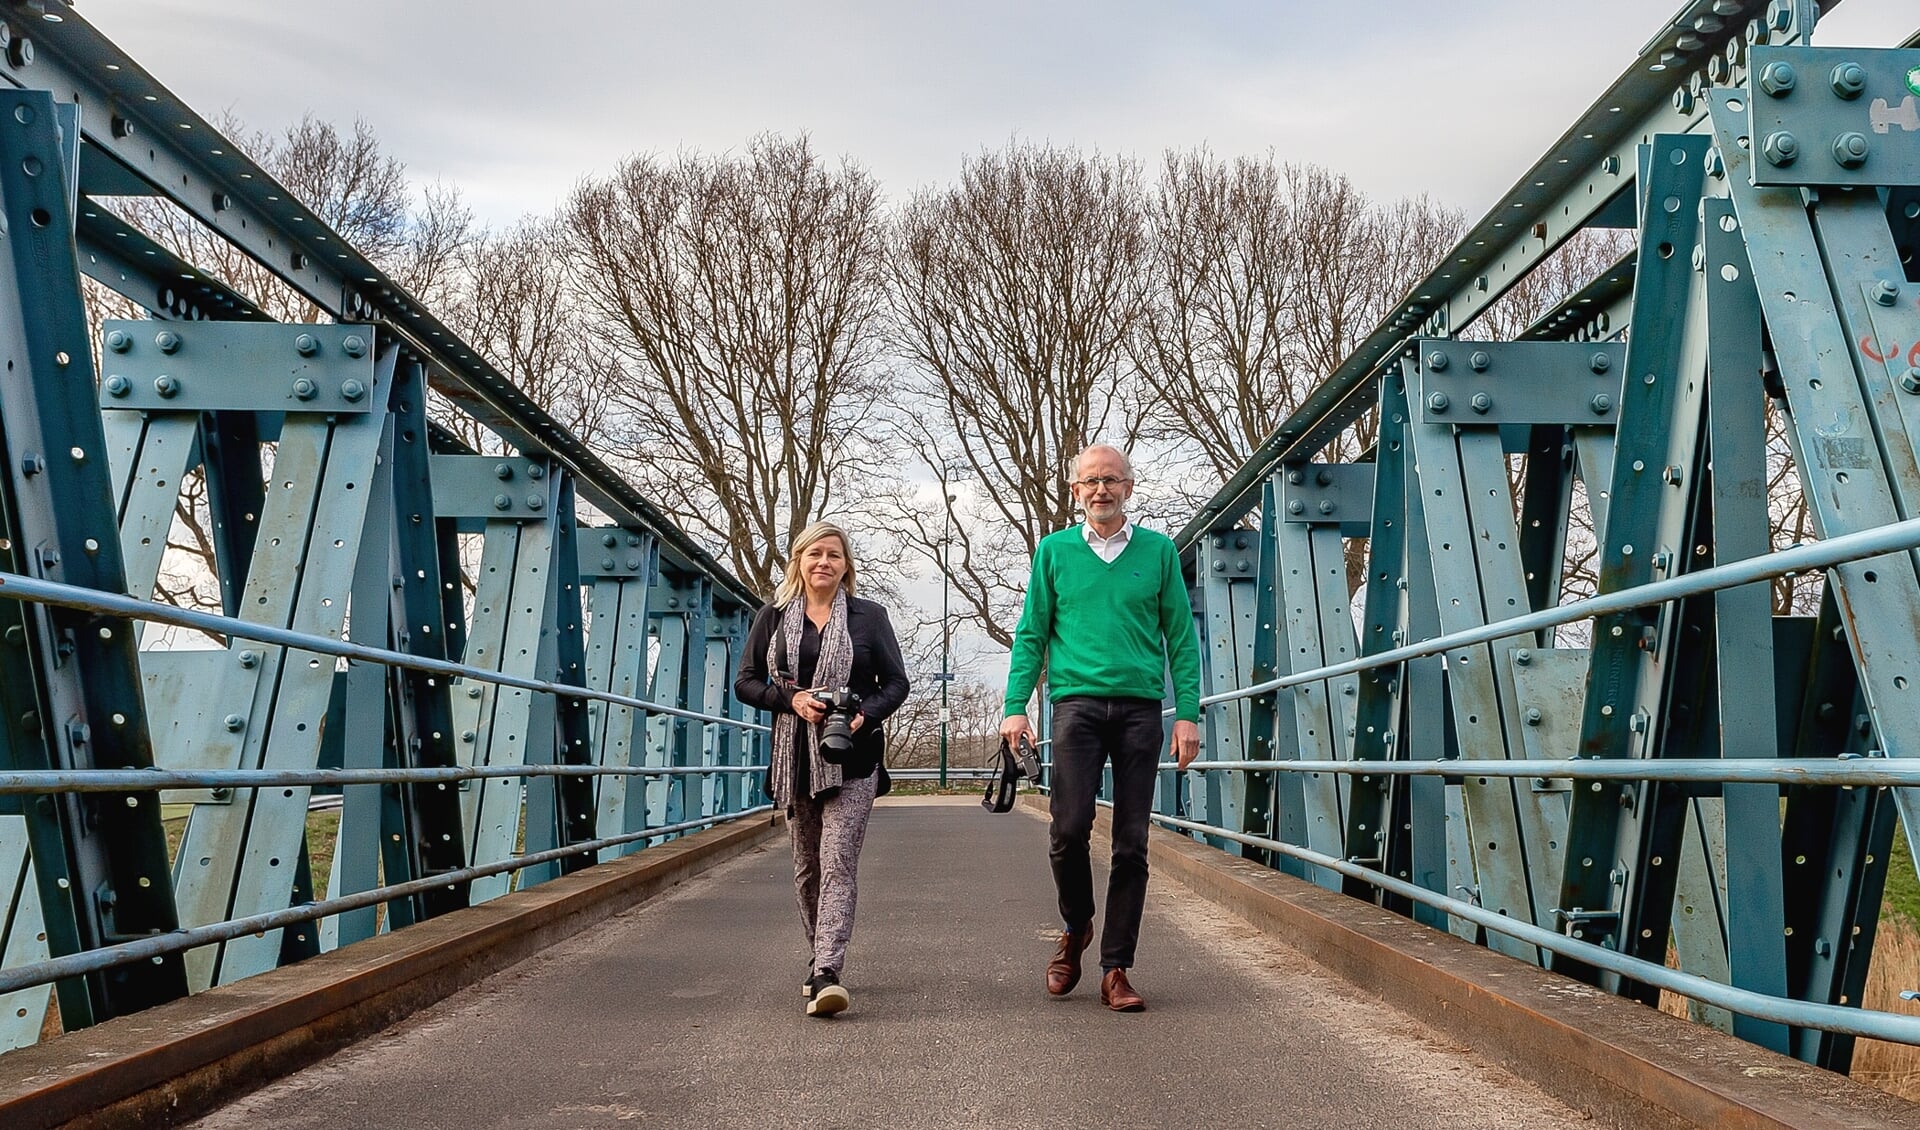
1001, 789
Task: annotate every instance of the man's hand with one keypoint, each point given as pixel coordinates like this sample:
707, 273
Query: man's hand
1013, 727
1186, 743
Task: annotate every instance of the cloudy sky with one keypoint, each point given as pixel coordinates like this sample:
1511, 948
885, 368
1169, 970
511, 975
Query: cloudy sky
515, 102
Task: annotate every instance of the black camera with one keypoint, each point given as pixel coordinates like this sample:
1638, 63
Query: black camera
836, 730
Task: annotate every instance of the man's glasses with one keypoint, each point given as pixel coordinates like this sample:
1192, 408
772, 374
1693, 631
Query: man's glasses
1099, 481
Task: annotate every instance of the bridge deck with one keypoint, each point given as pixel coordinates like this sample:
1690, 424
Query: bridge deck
686, 1011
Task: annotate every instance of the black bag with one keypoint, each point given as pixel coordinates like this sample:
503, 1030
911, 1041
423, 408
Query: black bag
1001, 789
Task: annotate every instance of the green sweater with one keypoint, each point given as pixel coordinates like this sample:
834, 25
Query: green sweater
1110, 630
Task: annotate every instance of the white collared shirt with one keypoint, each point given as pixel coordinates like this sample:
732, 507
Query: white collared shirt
1107, 548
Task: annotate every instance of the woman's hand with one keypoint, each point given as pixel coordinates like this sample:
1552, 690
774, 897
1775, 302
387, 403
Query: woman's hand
808, 707
859, 720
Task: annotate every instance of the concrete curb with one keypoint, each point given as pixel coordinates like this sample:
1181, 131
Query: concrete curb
168, 1064
1625, 1064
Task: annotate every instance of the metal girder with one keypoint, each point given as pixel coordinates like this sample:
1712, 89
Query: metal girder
622, 565
1231, 615
1515, 829
519, 607
678, 609
401, 718
1319, 630
72, 694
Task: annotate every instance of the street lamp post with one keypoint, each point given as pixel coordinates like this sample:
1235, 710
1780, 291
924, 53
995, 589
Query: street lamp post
946, 636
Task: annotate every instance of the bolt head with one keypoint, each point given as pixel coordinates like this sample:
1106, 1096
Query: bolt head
1481, 403
1438, 402
1436, 360
1296, 506
606, 564
1600, 362
1326, 506
609, 540
1885, 292
119, 341
1910, 380
306, 345
1534, 717
167, 387
235, 723
354, 345
249, 659
1522, 656
1850, 149
353, 391
1849, 80
535, 502
118, 386
305, 389
168, 341
1778, 78
1601, 404
536, 471
1780, 148
502, 502
1479, 361
503, 471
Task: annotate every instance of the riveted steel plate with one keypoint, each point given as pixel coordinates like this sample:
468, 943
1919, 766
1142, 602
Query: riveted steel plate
1834, 116
615, 552
244, 366
1328, 493
509, 488
1475, 383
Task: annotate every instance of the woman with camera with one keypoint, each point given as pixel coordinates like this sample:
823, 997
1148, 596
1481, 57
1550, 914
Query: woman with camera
828, 666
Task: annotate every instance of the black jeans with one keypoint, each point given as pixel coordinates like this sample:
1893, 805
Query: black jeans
1087, 731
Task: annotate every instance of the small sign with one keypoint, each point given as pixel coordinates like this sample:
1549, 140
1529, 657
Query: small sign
946, 714
942, 677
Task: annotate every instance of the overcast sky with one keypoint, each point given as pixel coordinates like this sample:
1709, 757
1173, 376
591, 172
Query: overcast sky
515, 102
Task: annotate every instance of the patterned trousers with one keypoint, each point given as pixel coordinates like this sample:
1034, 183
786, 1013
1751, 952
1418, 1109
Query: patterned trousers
827, 835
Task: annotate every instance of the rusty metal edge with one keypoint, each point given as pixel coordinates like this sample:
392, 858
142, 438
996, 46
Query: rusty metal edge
1620, 1062
180, 1060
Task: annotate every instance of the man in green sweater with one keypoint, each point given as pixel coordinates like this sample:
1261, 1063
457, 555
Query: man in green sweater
1107, 617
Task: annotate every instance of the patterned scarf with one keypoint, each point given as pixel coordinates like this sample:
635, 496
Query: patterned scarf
833, 669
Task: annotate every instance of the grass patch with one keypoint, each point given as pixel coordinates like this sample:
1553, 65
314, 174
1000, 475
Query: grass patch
1903, 884
323, 828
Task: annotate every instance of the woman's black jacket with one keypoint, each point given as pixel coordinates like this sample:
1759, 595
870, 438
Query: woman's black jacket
879, 677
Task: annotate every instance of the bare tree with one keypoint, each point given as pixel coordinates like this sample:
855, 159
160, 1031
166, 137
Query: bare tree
740, 297
1014, 294
1215, 345
510, 296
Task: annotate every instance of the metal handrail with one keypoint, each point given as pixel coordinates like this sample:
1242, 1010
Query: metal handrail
1846, 771
30, 781
1894, 537
41, 591
176, 941
1843, 1019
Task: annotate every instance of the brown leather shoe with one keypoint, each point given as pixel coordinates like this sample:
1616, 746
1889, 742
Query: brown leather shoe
1119, 996
1063, 972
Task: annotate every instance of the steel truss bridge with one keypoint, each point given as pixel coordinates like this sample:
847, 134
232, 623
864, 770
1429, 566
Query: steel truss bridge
1701, 775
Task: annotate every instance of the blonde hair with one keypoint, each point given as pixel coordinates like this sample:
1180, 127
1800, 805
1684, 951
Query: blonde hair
793, 584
